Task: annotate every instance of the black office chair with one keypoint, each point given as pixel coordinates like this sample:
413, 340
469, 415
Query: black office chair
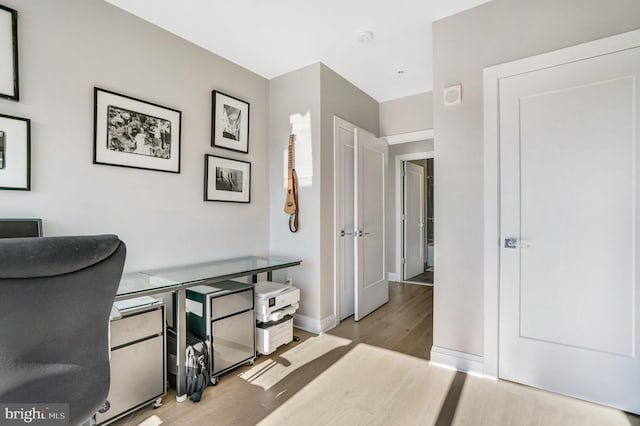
56, 295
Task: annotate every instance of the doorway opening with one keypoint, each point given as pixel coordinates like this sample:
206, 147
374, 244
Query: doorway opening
415, 242
417, 221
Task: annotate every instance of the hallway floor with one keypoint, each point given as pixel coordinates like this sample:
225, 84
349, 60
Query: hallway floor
424, 278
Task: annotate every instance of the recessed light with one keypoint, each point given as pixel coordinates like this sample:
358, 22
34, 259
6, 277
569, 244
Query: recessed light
364, 36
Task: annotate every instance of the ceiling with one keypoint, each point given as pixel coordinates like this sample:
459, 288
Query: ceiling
273, 37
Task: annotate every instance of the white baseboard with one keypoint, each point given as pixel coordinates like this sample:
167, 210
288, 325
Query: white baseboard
313, 325
457, 360
393, 276
306, 323
328, 323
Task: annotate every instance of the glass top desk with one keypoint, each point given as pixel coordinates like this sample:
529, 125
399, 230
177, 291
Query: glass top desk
178, 278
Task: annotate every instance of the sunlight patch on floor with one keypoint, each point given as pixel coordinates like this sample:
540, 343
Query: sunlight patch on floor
151, 421
375, 386
270, 372
369, 385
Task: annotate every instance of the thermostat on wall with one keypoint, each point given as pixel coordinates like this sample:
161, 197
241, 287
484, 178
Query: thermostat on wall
452, 95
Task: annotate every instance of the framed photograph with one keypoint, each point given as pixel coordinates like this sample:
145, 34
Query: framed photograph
226, 179
8, 53
230, 123
129, 132
15, 153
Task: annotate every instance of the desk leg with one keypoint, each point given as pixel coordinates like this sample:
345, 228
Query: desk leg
269, 276
181, 342
254, 279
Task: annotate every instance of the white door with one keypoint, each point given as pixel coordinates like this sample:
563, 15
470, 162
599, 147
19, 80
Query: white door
413, 207
570, 227
372, 286
345, 259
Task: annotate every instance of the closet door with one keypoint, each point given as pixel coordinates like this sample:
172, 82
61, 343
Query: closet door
372, 286
345, 241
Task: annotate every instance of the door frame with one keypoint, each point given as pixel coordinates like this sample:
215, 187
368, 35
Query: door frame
421, 169
338, 264
492, 76
398, 159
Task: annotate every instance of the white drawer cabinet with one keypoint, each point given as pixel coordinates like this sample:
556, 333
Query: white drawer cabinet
138, 366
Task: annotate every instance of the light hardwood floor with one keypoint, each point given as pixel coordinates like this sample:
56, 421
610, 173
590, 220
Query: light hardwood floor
372, 372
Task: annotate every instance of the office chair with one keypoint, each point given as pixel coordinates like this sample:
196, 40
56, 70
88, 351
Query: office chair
56, 294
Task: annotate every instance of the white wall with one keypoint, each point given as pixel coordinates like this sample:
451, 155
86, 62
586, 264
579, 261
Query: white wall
398, 116
295, 107
338, 98
496, 32
316, 94
406, 115
66, 47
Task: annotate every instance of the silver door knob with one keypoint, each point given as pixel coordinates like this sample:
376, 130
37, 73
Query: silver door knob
514, 243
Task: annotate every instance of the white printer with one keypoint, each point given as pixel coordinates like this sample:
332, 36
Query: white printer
274, 305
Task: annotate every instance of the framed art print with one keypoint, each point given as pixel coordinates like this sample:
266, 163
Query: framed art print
226, 179
15, 153
230, 123
129, 132
8, 53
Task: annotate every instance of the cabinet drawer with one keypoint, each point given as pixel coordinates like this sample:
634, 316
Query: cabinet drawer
137, 376
230, 304
136, 327
233, 340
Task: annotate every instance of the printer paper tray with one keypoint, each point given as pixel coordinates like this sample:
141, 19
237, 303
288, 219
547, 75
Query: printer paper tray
277, 315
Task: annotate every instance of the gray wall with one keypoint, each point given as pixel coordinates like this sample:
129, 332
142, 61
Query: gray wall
408, 114
403, 115
295, 107
67, 47
343, 99
316, 93
494, 33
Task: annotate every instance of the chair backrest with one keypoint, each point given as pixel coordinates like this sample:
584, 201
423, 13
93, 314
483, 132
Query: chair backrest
56, 295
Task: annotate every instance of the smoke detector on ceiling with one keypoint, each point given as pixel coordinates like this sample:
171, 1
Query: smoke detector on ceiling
364, 36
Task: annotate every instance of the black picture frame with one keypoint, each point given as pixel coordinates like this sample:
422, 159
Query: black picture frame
130, 132
9, 86
226, 179
15, 153
229, 122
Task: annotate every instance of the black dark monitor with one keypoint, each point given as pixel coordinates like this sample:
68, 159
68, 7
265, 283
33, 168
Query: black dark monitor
17, 228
